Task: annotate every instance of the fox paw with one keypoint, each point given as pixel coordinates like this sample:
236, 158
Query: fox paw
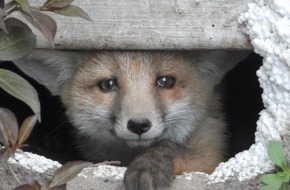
144, 174
150, 171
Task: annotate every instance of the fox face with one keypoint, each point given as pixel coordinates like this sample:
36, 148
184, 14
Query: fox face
156, 111
137, 98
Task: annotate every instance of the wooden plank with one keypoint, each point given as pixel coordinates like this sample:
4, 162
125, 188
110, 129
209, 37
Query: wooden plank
152, 24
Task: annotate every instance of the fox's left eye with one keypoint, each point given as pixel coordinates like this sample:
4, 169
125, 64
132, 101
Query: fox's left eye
107, 85
165, 81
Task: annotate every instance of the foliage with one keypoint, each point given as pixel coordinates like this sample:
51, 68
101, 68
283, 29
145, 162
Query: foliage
10, 136
63, 175
20, 88
16, 41
13, 138
279, 180
16, 38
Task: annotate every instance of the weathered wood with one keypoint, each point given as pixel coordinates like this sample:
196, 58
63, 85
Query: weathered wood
152, 24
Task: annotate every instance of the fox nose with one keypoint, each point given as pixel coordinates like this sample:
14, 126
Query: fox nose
139, 125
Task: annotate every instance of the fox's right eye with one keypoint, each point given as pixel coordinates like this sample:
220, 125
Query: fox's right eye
107, 85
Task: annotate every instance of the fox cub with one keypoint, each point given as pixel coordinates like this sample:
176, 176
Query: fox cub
157, 112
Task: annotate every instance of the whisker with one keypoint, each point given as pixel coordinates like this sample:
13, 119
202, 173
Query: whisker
56, 128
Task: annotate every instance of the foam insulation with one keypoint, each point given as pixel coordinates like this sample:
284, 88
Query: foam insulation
268, 25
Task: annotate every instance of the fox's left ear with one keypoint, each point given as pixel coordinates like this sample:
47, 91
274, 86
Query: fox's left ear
51, 68
214, 64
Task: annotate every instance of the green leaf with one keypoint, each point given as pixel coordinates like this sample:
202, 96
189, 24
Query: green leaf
21, 89
67, 172
285, 167
56, 4
282, 174
45, 24
24, 6
271, 178
18, 42
8, 127
276, 153
73, 11
271, 187
280, 177
284, 186
26, 129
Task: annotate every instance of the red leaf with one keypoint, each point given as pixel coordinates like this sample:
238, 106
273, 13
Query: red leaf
32, 186
67, 172
26, 129
73, 11
45, 24
8, 127
56, 4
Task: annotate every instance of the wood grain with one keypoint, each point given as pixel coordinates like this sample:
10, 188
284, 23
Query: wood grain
152, 24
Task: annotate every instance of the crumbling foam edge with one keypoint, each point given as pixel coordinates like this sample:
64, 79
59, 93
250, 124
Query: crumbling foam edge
33, 162
267, 22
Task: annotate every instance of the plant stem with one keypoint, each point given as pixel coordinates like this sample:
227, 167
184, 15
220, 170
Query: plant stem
10, 7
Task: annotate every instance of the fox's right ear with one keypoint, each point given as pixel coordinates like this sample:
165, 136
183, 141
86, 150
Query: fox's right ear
213, 64
52, 68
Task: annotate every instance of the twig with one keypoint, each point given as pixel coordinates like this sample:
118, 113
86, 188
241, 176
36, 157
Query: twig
108, 163
11, 8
